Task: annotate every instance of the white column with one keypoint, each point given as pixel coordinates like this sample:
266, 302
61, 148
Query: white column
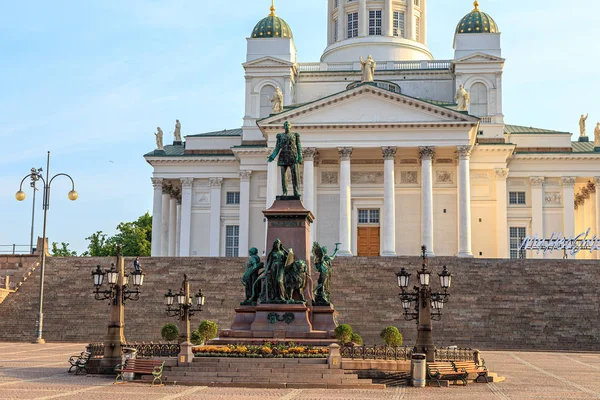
424, 22
537, 210
308, 199
345, 202
426, 154
186, 217
342, 20
501, 213
330, 24
389, 202
388, 18
597, 212
363, 18
156, 216
409, 21
568, 183
271, 182
178, 229
215, 215
585, 217
172, 226
464, 202
244, 212
164, 225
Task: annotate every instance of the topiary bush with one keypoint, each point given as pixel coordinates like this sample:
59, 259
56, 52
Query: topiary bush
169, 332
207, 330
343, 333
356, 339
195, 337
391, 336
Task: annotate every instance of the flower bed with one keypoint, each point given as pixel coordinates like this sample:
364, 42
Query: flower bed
265, 350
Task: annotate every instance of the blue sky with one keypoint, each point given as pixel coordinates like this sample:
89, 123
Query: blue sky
90, 80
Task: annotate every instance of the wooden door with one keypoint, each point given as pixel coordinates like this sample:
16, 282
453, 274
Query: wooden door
368, 241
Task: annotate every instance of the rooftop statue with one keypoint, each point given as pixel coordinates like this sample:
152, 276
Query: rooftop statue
323, 265
597, 135
159, 139
177, 132
290, 155
367, 69
582, 120
277, 101
462, 98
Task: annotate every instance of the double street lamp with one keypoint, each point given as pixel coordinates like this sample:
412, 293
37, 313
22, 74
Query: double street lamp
419, 302
183, 310
36, 175
118, 291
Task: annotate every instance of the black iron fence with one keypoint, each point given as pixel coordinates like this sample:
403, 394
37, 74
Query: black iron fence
376, 352
144, 350
404, 353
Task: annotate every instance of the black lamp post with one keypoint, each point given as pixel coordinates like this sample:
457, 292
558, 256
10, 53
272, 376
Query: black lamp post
419, 302
118, 290
183, 310
20, 196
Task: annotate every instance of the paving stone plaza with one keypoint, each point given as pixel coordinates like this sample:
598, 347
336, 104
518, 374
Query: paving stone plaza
30, 371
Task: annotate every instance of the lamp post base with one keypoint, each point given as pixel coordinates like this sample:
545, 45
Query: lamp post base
39, 341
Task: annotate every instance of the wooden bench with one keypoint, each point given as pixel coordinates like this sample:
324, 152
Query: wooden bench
472, 368
142, 367
438, 371
79, 362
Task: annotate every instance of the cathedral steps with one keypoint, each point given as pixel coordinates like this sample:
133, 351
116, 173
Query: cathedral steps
268, 372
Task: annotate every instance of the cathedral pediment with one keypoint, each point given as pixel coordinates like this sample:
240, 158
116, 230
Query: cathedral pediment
368, 105
267, 62
479, 58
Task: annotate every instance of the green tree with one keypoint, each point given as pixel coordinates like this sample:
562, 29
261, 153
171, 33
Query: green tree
135, 237
169, 332
63, 250
343, 333
391, 336
207, 330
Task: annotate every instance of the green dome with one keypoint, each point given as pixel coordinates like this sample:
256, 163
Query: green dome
271, 27
477, 22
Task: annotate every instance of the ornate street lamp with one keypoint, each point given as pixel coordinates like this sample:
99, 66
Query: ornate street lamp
117, 286
418, 303
36, 175
183, 310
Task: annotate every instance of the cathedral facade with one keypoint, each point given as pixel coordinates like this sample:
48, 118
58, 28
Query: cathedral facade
416, 152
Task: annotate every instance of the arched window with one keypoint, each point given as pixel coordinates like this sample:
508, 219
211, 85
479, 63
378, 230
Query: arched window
266, 94
479, 100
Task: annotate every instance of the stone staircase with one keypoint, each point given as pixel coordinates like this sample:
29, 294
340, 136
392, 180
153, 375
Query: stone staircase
265, 373
14, 271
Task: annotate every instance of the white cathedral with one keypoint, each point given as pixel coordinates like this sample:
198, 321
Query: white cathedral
389, 164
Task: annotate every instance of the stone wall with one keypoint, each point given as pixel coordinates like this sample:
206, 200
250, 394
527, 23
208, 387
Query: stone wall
495, 304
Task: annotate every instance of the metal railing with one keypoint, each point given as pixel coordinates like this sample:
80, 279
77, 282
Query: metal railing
404, 353
15, 249
454, 354
144, 350
377, 352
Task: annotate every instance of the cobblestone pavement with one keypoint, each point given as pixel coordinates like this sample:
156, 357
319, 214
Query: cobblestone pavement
30, 371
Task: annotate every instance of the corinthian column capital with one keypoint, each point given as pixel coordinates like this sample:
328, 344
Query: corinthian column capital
501, 173
309, 153
187, 182
157, 182
389, 153
345, 153
464, 152
426, 153
215, 182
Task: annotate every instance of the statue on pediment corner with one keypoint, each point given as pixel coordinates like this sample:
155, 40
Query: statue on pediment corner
462, 98
367, 69
159, 139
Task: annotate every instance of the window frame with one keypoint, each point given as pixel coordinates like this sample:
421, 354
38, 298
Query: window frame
236, 198
234, 247
352, 25
520, 235
375, 22
399, 24
520, 198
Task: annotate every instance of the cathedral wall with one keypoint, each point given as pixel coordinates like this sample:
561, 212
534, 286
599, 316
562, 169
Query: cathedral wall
408, 220
200, 236
445, 222
328, 227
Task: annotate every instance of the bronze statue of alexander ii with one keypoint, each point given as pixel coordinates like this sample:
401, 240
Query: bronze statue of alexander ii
290, 156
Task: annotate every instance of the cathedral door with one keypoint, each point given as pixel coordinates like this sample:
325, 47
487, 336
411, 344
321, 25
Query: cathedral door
368, 233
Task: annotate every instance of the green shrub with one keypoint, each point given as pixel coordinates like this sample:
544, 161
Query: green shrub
356, 338
207, 330
195, 337
391, 336
170, 332
343, 333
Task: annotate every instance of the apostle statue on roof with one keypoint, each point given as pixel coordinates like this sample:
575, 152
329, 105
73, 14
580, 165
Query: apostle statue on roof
462, 98
367, 69
277, 101
582, 120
